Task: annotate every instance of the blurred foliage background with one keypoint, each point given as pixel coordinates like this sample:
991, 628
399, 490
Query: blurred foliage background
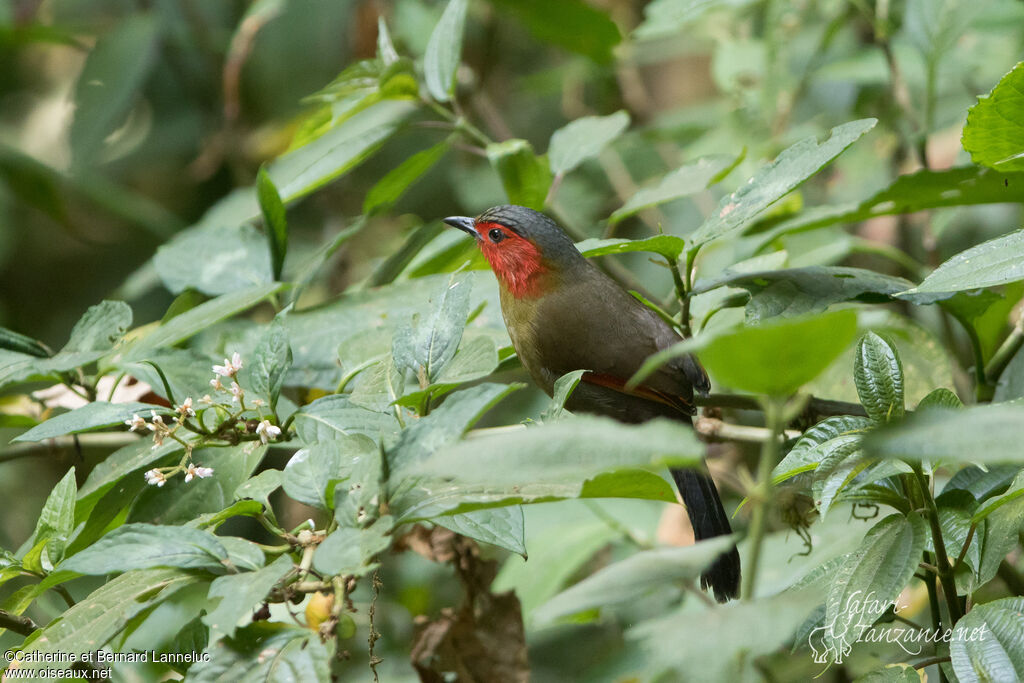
124, 122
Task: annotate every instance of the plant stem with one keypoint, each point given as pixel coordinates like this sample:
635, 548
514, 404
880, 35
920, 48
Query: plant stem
773, 409
18, 624
946, 575
1005, 353
816, 407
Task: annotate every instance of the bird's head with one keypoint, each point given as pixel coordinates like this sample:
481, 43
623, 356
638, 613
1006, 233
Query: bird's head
527, 251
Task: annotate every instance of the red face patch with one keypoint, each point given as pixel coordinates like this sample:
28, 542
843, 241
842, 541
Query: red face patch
515, 260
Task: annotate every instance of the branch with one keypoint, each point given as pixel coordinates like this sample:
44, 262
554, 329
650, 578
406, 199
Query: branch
718, 430
816, 407
19, 624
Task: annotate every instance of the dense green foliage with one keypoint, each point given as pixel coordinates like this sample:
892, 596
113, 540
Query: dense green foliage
292, 438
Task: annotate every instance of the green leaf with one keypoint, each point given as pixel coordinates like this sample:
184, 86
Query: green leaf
313, 472
260, 487
99, 328
235, 258
502, 527
430, 343
524, 175
15, 341
57, 520
964, 186
90, 417
665, 17
265, 653
988, 643
445, 424
940, 398
584, 139
564, 386
93, 622
578, 448
871, 578
878, 374
666, 245
358, 503
641, 574
778, 358
335, 416
792, 167
800, 291
994, 134
271, 361
891, 673
190, 322
114, 72
593, 33
145, 546
556, 555
275, 221
686, 180
441, 60
727, 641
351, 550
985, 433
811, 448
393, 185
477, 357
239, 594
995, 262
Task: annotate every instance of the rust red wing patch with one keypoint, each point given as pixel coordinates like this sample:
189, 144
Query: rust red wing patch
618, 384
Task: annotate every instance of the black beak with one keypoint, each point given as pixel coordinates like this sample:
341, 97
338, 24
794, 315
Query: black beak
463, 223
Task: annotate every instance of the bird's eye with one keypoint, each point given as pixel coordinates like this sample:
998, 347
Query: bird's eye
496, 235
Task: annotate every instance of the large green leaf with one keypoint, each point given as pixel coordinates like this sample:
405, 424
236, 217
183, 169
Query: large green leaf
443, 51
665, 17
723, 643
430, 343
145, 546
525, 176
56, 520
878, 374
666, 245
640, 574
111, 78
502, 527
568, 449
335, 416
445, 424
792, 167
988, 643
239, 595
994, 134
91, 416
909, 193
235, 258
270, 363
275, 222
350, 550
778, 358
584, 139
265, 653
985, 433
92, 622
870, 579
393, 185
593, 32
686, 180
313, 472
811, 448
991, 263
181, 327
799, 291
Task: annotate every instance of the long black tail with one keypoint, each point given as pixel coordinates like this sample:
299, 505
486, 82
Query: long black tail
709, 519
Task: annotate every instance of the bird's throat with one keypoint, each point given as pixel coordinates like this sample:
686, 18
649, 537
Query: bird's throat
519, 266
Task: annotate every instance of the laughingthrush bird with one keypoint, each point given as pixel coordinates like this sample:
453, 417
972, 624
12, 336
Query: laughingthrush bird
565, 314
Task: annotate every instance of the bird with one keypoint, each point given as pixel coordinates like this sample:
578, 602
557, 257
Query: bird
564, 314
